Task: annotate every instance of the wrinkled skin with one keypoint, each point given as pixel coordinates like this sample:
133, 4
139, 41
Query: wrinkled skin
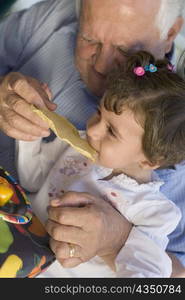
17, 120
73, 219
110, 30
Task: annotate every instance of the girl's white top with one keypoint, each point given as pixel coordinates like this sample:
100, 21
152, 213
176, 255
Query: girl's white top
47, 170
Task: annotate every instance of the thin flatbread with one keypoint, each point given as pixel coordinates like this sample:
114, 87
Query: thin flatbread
66, 132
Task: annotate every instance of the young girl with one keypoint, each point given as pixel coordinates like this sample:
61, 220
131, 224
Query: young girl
139, 127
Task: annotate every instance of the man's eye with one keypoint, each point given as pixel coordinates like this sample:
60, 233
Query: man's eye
89, 41
124, 52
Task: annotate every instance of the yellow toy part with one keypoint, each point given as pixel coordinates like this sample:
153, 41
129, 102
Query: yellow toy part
3, 180
11, 266
5, 193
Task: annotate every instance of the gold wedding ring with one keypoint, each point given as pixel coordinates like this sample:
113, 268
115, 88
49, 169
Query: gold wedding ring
71, 250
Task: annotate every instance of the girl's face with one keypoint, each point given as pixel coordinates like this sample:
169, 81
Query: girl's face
116, 138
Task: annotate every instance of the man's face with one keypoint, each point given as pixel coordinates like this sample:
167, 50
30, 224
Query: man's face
111, 29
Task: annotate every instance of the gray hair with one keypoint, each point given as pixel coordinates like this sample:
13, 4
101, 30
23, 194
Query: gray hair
78, 7
166, 17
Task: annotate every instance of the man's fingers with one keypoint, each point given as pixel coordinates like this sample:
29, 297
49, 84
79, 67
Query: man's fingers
15, 121
24, 109
16, 118
62, 249
19, 135
18, 84
73, 216
71, 262
62, 233
46, 89
29, 89
44, 92
50, 105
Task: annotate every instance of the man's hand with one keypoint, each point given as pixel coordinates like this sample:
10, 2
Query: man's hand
92, 226
17, 120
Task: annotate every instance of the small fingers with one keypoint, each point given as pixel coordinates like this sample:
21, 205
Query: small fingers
73, 199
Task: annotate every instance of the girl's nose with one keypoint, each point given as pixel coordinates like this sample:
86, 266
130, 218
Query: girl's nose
95, 129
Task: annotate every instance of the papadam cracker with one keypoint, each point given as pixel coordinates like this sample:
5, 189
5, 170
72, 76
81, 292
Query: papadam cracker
66, 131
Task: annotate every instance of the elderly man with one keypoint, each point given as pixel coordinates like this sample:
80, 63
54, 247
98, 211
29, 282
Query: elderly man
40, 43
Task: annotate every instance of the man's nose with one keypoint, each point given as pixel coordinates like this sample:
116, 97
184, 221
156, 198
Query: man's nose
104, 59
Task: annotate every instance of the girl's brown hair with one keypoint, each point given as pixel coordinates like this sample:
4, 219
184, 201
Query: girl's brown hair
158, 102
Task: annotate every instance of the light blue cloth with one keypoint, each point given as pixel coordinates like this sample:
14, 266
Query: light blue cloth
40, 42
174, 189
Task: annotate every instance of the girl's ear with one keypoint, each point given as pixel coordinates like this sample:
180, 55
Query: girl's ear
147, 165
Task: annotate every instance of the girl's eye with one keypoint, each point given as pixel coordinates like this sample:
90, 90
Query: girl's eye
110, 131
98, 111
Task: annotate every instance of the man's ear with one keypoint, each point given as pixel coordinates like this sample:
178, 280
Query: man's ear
147, 165
174, 30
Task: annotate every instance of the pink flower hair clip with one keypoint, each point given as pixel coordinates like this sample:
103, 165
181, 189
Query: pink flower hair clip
171, 67
140, 71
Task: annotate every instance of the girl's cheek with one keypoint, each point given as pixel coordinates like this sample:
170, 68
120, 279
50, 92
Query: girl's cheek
105, 155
